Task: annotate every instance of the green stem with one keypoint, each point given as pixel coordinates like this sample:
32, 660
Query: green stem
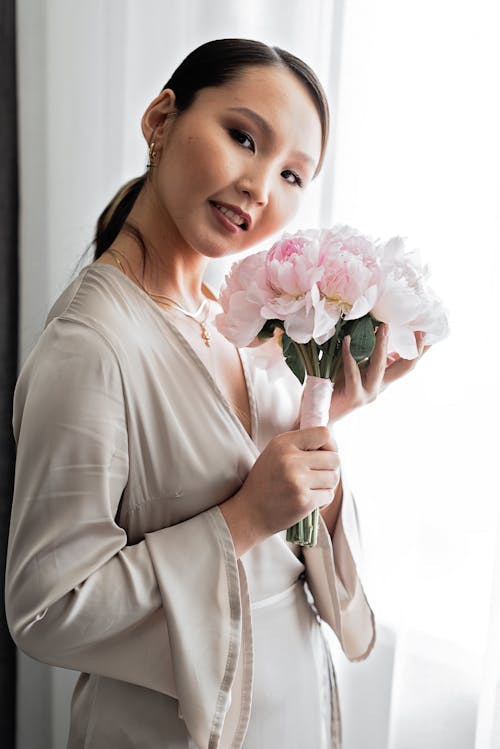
299, 348
326, 360
314, 357
329, 354
304, 353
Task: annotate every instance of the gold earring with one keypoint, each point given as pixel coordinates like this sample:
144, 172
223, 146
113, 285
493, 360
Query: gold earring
152, 155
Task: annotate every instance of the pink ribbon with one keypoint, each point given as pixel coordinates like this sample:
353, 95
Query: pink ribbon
316, 399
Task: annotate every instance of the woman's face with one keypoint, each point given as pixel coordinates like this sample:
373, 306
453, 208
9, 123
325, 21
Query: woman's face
212, 152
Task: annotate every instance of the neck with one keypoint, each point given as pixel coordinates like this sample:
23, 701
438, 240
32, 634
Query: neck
170, 267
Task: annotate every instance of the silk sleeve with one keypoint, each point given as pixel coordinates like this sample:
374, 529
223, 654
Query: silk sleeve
168, 613
334, 572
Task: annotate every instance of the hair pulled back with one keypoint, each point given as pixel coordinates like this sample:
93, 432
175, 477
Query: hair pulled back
212, 64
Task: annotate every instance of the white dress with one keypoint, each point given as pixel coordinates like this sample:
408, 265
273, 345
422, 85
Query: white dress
120, 564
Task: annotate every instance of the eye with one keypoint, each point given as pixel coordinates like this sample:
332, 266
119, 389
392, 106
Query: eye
298, 180
237, 134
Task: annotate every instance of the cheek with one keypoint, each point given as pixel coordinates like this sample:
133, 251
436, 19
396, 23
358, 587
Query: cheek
277, 218
203, 161
190, 159
287, 205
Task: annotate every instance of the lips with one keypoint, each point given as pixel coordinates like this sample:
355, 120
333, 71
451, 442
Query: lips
235, 210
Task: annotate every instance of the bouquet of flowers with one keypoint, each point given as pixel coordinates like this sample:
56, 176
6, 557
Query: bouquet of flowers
318, 286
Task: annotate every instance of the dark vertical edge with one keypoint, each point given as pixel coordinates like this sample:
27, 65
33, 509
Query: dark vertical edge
9, 312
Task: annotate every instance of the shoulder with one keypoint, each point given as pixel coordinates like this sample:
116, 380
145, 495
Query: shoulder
79, 337
108, 305
72, 347
82, 319
71, 365
93, 298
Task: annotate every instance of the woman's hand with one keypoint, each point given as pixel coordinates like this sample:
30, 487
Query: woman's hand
354, 386
296, 472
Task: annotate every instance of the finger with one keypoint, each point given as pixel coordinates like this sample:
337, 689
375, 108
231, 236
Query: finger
424, 349
323, 460
391, 358
419, 339
397, 369
375, 371
340, 379
321, 497
331, 444
308, 438
396, 366
352, 376
323, 479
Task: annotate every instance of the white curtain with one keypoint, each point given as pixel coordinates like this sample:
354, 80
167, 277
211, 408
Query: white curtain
413, 151
418, 154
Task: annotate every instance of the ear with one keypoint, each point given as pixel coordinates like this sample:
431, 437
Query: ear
154, 120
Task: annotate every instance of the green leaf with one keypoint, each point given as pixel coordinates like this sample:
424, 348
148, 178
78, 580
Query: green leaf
362, 338
292, 358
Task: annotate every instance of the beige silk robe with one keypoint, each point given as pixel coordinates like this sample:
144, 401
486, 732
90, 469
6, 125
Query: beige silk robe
120, 563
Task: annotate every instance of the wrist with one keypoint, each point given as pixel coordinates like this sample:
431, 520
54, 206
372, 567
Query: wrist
243, 527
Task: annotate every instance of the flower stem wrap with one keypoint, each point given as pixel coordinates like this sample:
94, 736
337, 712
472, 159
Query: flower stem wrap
314, 412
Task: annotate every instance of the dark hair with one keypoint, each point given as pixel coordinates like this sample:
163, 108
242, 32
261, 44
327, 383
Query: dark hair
212, 64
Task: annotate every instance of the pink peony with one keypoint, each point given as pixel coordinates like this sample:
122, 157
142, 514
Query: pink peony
312, 278
242, 297
319, 275
405, 301
349, 283
292, 271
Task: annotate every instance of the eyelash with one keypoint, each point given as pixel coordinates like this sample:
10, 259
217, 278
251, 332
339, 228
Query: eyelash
298, 180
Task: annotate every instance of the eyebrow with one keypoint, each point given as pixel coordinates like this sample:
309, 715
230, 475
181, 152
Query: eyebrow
267, 129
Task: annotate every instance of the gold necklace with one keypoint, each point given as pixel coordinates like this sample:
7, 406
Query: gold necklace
205, 333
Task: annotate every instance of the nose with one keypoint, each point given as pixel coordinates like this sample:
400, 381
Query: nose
256, 184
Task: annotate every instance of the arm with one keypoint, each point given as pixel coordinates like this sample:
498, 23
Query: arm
77, 595
334, 571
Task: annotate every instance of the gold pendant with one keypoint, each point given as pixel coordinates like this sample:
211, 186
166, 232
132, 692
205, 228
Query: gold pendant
205, 334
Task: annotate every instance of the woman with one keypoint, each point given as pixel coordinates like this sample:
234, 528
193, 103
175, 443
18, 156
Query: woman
158, 468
